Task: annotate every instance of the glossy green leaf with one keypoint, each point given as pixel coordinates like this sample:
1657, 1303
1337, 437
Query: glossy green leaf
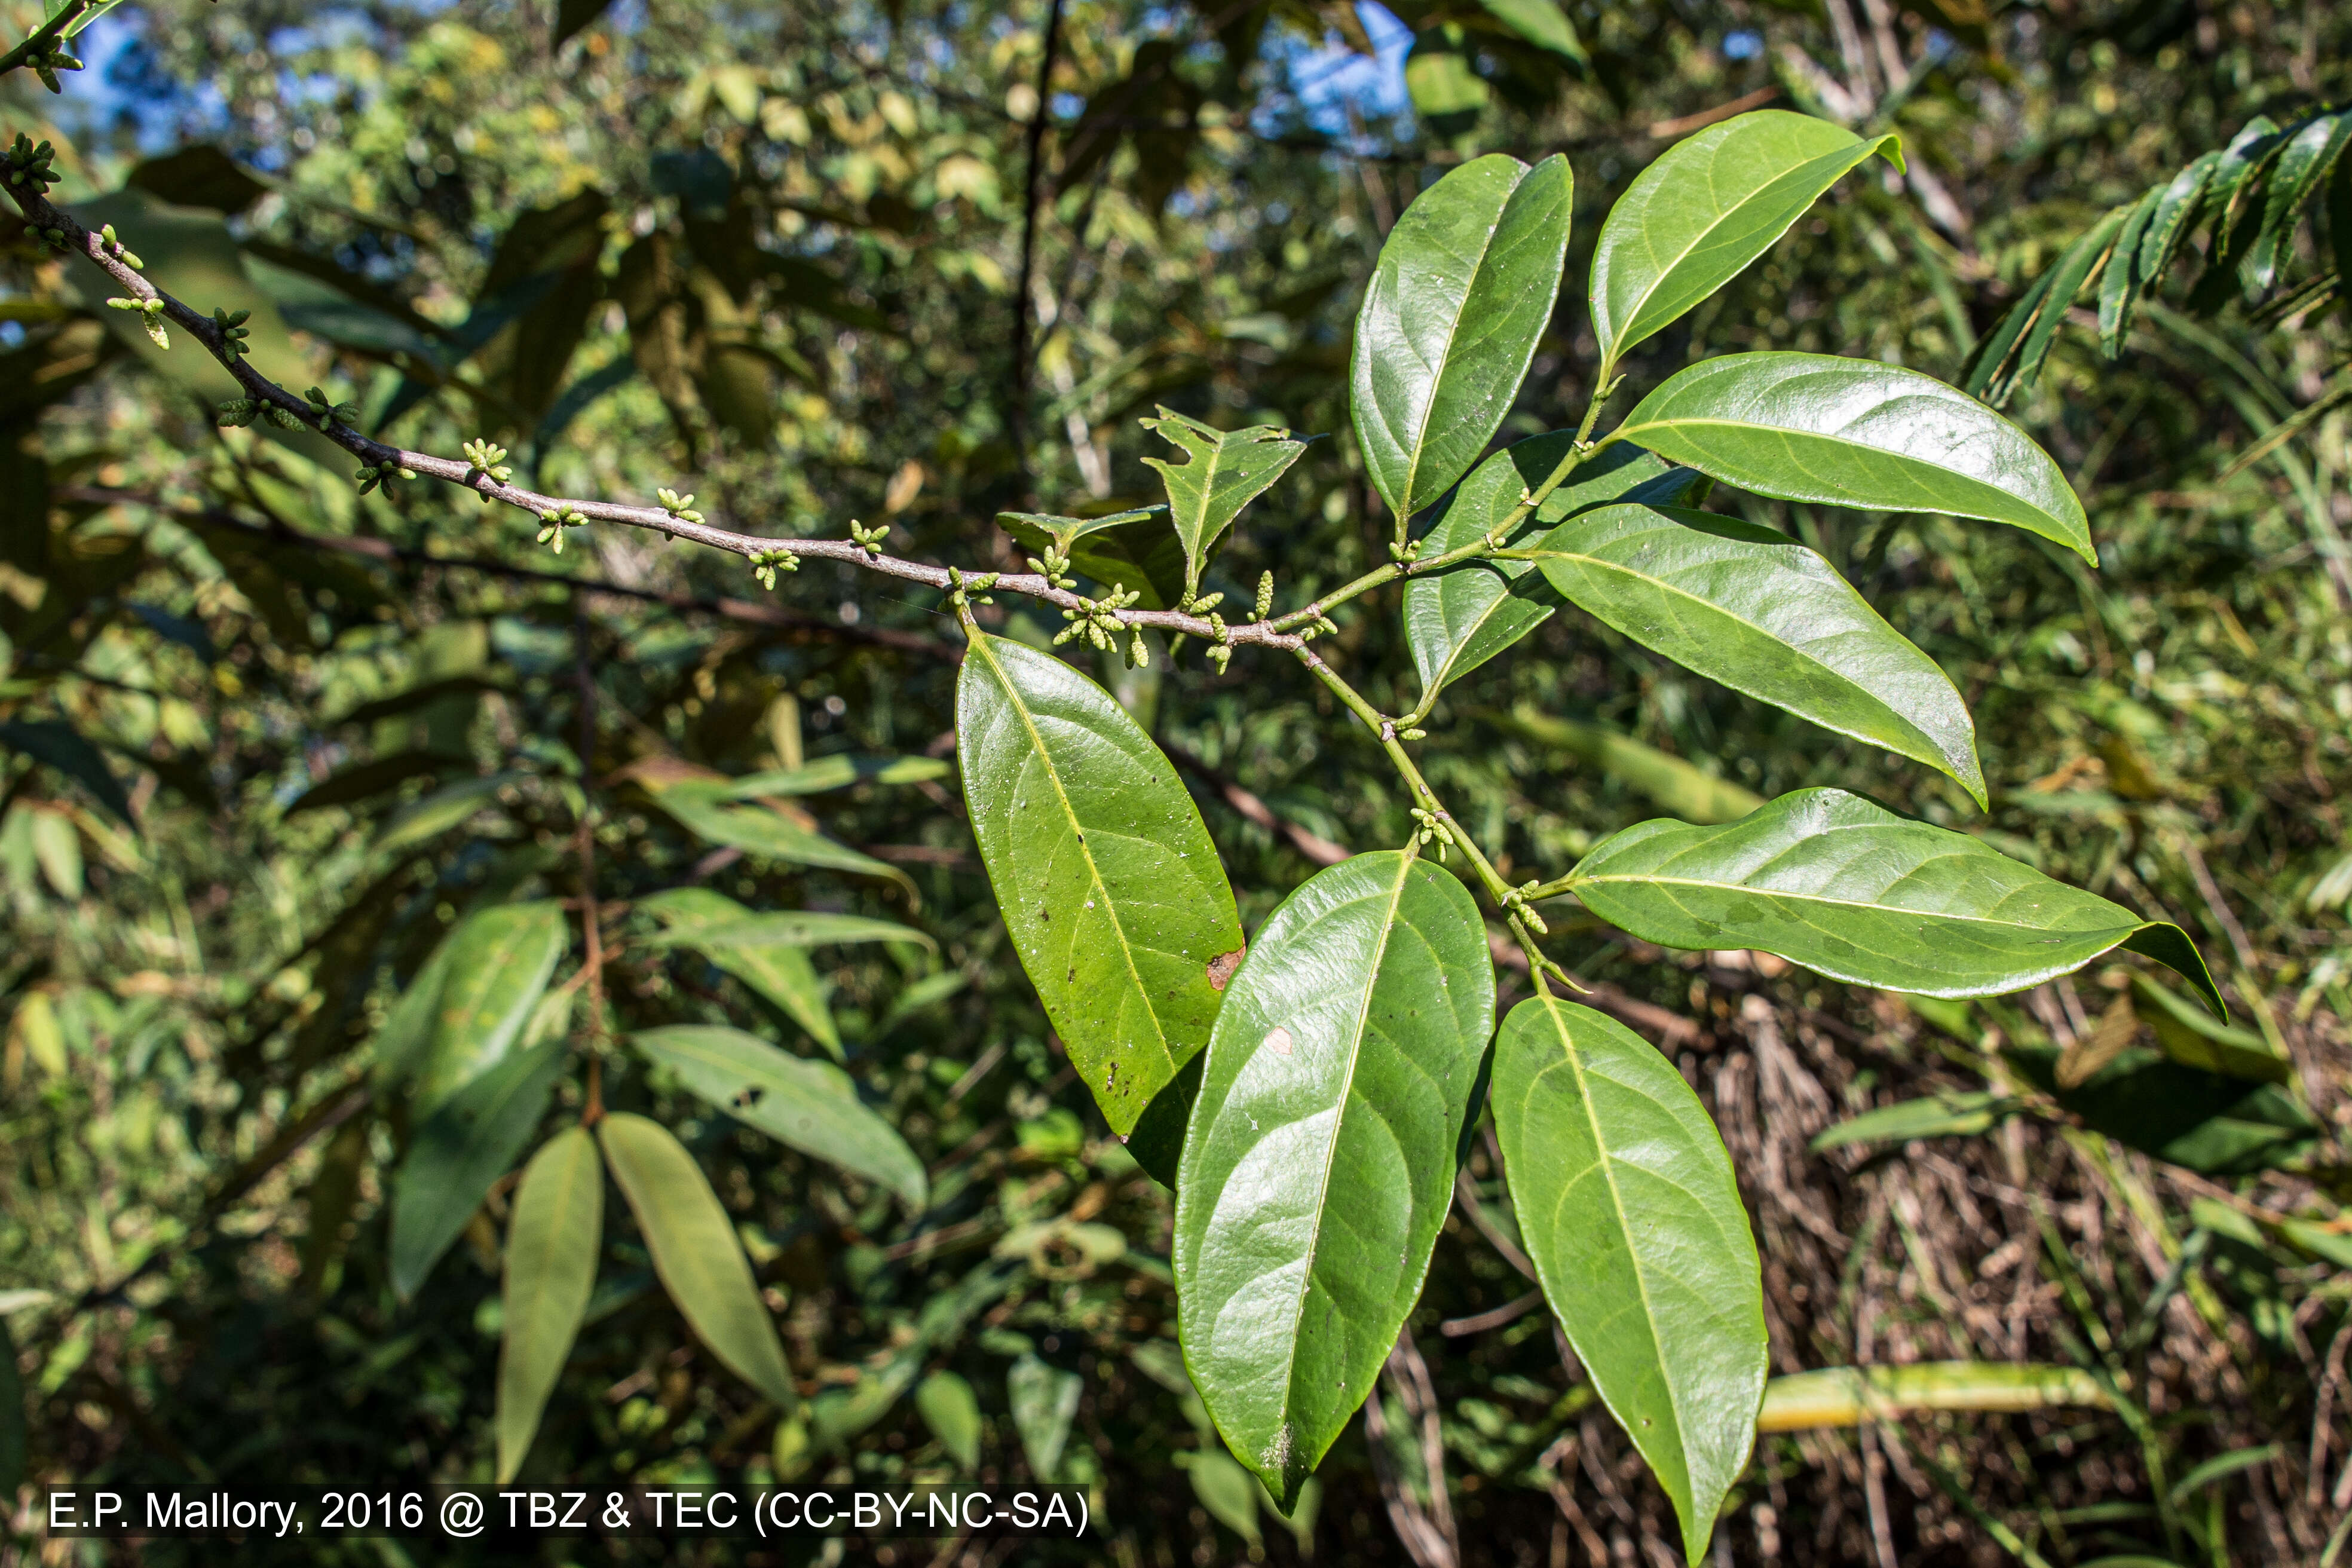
810, 1106
459, 1152
500, 962
1320, 1164
1955, 1114
552, 1243
1850, 432
1045, 1401
1108, 884
1851, 890
695, 1252
1628, 1207
1713, 203
1224, 472
950, 1409
1457, 619
1462, 291
1758, 611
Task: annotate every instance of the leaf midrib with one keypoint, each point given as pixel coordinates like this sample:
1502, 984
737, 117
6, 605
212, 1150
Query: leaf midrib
1617, 1206
1338, 1129
1078, 831
1633, 433
1437, 382
1625, 332
568, 1206
1603, 563
1655, 881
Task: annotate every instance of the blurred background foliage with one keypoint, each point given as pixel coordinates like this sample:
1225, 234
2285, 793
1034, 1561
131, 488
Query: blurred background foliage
267, 740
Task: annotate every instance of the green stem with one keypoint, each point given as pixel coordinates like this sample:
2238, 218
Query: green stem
39, 39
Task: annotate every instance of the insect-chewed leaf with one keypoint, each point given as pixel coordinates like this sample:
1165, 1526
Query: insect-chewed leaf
1108, 884
695, 1252
459, 1152
811, 1106
552, 1243
498, 966
1712, 203
1627, 1205
1463, 289
1848, 889
1850, 432
1320, 1159
1457, 619
1761, 612
1132, 550
1227, 470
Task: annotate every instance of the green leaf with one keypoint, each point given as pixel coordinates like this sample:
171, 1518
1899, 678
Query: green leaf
2176, 210
1131, 549
1541, 23
1462, 291
757, 830
2120, 281
58, 744
406, 1034
1689, 792
1713, 203
1763, 614
1227, 470
1444, 88
1628, 1207
1110, 887
429, 816
810, 1106
552, 1244
1997, 375
1045, 1401
363, 781
695, 1252
1457, 619
1319, 1165
1851, 890
1944, 1115
459, 1152
838, 772
950, 1409
1850, 432
2210, 1122
2303, 163
500, 962
763, 950
2189, 1036
1040, 528
1229, 1492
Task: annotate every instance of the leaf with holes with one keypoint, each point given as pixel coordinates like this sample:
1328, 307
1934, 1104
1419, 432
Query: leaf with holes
1108, 884
1627, 1205
1463, 289
1320, 1159
1225, 470
1851, 890
808, 1106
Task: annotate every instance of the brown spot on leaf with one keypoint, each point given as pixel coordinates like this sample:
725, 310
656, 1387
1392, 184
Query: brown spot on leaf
1222, 967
